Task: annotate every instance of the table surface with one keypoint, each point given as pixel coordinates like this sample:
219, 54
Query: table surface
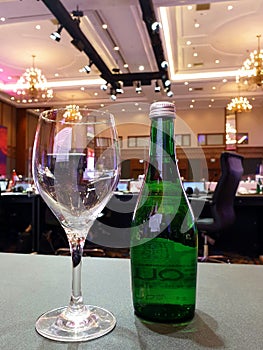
229, 311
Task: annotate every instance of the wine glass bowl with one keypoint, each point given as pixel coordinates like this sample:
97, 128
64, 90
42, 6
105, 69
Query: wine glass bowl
76, 170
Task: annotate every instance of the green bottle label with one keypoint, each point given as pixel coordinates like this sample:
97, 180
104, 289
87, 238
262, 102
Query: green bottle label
164, 272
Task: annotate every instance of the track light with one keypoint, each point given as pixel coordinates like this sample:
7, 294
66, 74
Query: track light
87, 68
156, 26
119, 89
57, 35
138, 88
157, 87
113, 96
167, 83
164, 64
104, 87
169, 93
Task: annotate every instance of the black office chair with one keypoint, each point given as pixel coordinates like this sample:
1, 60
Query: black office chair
222, 204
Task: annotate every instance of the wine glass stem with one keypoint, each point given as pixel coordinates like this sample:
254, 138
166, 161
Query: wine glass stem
76, 301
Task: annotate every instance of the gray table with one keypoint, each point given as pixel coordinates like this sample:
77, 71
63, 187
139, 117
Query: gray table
229, 305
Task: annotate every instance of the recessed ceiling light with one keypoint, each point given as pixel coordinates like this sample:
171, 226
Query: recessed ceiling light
209, 106
38, 27
141, 68
56, 74
212, 100
189, 7
82, 88
197, 25
195, 54
190, 89
224, 80
2, 19
95, 94
193, 101
1, 70
189, 65
230, 7
217, 61
126, 65
116, 48
102, 105
188, 42
104, 26
191, 106
186, 83
9, 78
213, 88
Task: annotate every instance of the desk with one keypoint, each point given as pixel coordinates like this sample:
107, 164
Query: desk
228, 316
18, 211
245, 236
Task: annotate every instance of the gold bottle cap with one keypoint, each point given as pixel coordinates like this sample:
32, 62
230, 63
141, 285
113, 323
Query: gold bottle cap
162, 109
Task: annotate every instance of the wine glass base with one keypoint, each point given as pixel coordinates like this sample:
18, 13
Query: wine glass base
95, 323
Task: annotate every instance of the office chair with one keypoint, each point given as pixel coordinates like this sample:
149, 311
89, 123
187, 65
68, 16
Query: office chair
222, 203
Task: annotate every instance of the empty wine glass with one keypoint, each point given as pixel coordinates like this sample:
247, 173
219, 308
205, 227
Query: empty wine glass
76, 170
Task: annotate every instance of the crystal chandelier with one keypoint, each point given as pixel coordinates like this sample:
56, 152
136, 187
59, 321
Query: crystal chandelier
32, 86
251, 73
239, 104
72, 113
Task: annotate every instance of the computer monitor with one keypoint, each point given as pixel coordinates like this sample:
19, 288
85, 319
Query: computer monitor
123, 185
3, 185
196, 186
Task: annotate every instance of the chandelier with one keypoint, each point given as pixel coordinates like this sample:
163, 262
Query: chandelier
72, 113
251, 73
32, 86
239, 104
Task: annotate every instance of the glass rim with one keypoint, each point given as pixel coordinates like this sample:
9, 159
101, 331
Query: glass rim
50, 115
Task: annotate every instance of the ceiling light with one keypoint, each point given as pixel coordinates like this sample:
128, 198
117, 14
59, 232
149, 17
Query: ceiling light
157, 87
86, 68
239, 104
104, 87
251, 72
188, 42
141, 68
217, 61
156, 26
138, 88
169, 93
167, 82
104, 26
116, 48
113, 96
119, 89
72, 113
164, 64
32, 85
57, 35
197, 25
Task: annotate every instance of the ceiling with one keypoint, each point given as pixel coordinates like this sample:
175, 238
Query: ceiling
218, 48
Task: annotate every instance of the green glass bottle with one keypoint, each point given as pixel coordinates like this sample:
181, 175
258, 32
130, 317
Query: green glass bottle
163, 235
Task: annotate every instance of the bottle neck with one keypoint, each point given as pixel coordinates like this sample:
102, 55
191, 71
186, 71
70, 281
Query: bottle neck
162, 137
162, 162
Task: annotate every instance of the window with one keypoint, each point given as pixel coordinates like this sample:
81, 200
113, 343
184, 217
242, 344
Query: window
138, 141
210, 139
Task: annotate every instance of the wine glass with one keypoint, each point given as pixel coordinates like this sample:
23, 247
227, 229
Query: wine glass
76, 170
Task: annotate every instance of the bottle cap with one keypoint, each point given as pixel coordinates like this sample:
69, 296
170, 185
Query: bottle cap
162, 109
